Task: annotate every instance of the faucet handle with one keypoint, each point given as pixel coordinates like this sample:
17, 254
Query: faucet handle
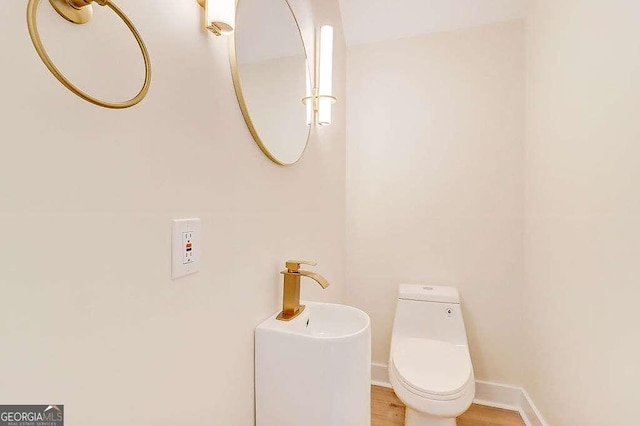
294, 265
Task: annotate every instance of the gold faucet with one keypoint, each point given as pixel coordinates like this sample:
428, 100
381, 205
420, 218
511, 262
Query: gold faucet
291, 307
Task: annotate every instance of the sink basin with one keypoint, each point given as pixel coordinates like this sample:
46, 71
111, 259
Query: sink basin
321, 320
314, 370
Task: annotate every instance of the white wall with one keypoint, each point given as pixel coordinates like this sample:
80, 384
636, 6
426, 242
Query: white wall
434, 182
583, 211
88, 314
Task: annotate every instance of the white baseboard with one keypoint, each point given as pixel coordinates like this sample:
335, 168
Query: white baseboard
380, 375
498, 395
490, 394
529, 412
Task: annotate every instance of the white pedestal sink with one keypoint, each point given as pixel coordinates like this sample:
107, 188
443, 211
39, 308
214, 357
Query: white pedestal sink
314, 370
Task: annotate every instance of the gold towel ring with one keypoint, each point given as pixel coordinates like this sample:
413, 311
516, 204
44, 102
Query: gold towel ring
81, 14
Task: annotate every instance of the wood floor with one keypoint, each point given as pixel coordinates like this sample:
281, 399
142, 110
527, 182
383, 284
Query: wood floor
387, 410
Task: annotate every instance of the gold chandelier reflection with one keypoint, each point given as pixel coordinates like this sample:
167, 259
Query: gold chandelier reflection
80, 12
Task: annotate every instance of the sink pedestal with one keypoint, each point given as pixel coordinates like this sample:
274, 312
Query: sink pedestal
314, 370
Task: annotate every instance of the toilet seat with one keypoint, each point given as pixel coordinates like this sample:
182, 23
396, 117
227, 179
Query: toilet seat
432, 369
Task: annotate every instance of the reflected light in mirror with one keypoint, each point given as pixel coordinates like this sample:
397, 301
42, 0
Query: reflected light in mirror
308, 101
325, 83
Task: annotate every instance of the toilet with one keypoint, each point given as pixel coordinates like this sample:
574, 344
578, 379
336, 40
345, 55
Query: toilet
429, 364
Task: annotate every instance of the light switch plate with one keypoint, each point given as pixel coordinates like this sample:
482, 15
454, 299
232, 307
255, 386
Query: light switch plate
185, 247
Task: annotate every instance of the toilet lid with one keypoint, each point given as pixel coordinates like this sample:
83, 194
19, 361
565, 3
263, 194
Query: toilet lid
432, 366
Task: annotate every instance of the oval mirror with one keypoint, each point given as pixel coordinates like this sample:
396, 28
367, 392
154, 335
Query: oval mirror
269, 67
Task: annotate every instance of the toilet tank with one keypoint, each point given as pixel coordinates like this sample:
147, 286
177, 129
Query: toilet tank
429, 312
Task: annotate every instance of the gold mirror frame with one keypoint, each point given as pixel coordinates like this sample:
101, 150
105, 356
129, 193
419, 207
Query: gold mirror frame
235, 73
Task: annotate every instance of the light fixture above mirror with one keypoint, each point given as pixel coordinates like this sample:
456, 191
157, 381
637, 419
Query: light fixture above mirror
319, 99
219, 15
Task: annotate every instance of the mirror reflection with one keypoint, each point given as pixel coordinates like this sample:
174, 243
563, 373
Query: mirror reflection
270, 76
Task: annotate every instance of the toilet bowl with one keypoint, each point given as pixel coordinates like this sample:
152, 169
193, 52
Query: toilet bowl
430, 367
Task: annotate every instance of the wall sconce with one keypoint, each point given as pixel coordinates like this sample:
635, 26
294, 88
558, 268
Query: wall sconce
319, 99
219, 15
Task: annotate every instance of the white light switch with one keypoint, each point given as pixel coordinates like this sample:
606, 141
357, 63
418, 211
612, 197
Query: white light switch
185, 247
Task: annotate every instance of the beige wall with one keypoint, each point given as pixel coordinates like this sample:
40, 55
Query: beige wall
88, 314
583, 211
434, 182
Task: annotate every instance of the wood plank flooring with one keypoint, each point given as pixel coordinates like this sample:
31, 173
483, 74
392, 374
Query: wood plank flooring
387, 410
